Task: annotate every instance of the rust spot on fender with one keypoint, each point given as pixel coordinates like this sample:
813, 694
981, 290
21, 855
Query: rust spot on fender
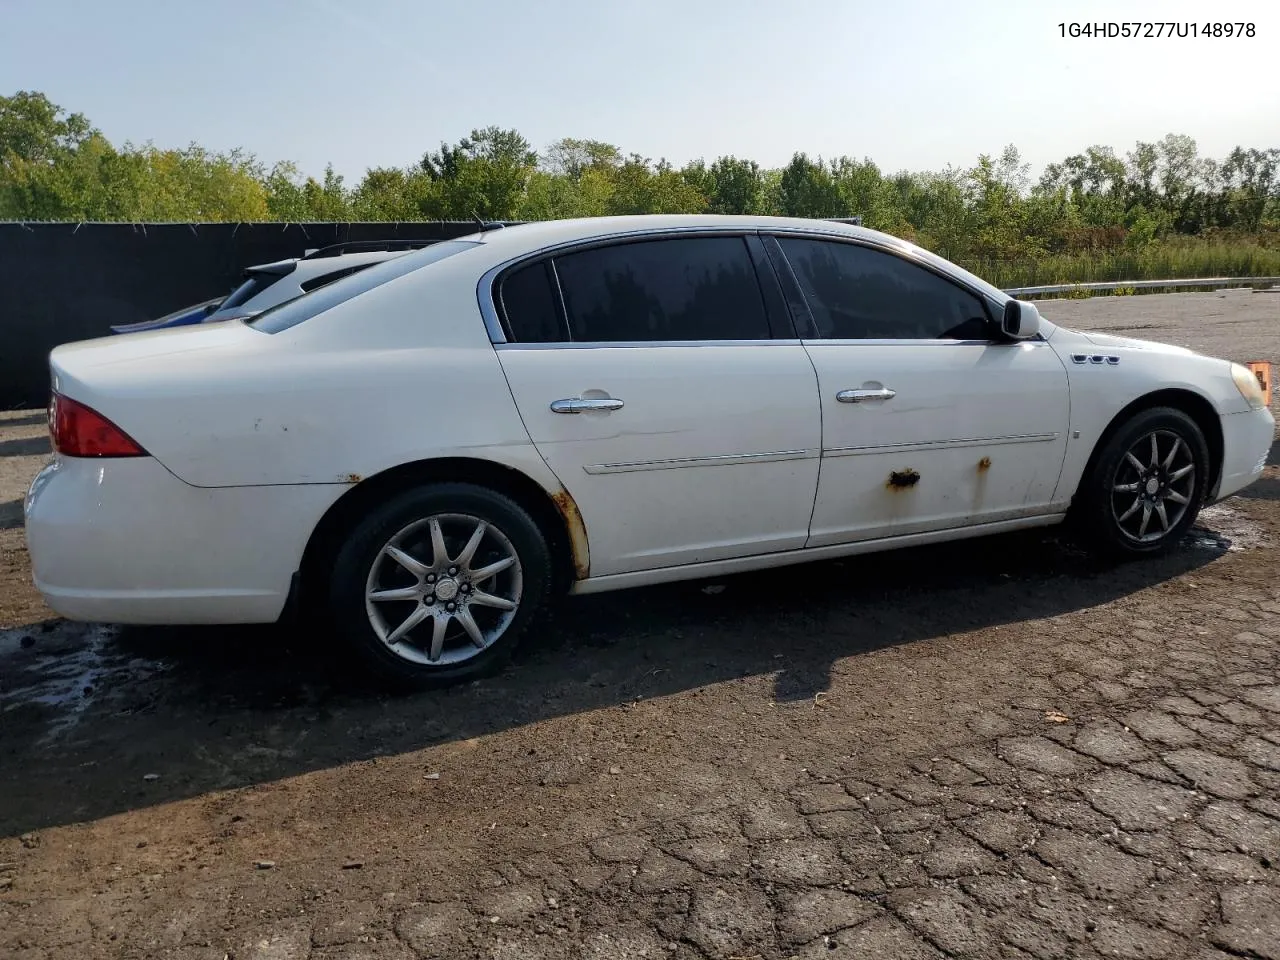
984, 464
577, 532
352, 478
902, 479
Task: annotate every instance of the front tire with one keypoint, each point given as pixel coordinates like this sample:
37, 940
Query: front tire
1147, 484
437, 585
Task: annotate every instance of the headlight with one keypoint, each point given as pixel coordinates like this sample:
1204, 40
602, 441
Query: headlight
1248, 385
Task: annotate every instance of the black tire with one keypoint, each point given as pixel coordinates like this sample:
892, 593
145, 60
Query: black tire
1104, 497
363, 548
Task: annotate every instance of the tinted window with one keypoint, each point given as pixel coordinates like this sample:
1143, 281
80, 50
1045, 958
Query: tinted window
292, 312
529, 305
327, 278
694, 288
255, 284
856, 293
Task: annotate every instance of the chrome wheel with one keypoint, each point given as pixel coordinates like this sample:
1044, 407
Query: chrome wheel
443, 589
1153, 486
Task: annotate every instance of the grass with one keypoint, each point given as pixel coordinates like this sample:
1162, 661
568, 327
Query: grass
1168, 261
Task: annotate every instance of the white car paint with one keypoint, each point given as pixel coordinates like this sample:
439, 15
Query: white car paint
723, 476
725, 457
995, 456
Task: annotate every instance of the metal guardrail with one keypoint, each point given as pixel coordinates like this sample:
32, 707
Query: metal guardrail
1202, 282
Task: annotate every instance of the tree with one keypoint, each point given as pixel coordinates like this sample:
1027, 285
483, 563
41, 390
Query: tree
571, 158
35, 130
55, 165
484, 175
735, 186
808, 190
641, 187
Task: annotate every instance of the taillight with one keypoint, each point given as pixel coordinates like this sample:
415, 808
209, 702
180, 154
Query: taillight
78, 431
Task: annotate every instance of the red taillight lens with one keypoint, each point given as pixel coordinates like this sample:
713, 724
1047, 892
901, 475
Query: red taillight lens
78, 431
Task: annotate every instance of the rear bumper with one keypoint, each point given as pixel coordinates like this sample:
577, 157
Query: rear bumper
125, 541
1246, 442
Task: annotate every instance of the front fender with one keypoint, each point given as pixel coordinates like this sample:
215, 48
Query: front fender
1106, 375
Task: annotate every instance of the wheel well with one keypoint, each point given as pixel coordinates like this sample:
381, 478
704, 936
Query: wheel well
327, 537
1192, 404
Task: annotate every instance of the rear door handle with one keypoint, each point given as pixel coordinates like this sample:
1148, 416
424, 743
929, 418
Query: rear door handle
858, 396
580, 405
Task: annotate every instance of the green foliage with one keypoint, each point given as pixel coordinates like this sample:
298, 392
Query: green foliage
1160, 210
807, 189
1170, 259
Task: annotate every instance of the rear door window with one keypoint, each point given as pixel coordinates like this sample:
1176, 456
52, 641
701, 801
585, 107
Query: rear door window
673, 289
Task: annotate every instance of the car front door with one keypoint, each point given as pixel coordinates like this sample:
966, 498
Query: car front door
930, 421
658, 386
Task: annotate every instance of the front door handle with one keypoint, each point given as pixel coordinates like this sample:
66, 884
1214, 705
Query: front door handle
581, 405
858, 396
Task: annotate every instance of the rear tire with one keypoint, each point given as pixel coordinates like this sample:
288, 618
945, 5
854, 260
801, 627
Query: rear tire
1146, 486
436, 586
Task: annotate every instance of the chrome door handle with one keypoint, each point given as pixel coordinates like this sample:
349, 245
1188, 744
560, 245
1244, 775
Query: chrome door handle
857, 396
579, 405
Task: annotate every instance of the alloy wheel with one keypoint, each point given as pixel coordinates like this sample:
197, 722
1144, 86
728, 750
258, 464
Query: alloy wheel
443, 589
1153, 486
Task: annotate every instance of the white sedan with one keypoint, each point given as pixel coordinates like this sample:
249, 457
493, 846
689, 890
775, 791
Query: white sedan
421, 454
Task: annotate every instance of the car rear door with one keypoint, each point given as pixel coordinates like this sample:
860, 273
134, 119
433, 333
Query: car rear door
666, 397
930, 422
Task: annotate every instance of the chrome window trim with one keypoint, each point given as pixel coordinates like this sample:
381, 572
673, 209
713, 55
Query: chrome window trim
484, 289
908, 342
632, 344
727, 459
493, 325
945, 269
789, 341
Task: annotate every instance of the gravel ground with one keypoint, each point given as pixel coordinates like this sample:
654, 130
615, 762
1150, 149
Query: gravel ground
995, 749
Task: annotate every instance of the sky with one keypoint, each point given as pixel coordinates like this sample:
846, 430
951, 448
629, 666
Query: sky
912, 85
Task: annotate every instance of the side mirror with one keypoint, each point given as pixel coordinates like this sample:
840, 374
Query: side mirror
1021, 320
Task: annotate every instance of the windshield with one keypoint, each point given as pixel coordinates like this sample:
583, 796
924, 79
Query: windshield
292, 312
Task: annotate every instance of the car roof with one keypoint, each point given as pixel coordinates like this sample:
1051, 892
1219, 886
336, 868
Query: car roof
538, 235
552, 232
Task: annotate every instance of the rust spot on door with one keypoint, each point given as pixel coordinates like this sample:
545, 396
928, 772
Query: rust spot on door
577, 532
902, 479
984, 464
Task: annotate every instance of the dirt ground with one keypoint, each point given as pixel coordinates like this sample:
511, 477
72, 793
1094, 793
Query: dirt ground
993, 749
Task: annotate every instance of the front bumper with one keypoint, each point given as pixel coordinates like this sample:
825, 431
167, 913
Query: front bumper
125, 541
1247, 439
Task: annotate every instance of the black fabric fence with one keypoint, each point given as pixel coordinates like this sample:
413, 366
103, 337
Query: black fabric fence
61, 282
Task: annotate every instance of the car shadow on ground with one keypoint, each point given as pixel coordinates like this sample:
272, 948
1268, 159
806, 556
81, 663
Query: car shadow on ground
230, 707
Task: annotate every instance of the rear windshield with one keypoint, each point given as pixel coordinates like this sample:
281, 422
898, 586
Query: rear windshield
292, 312
256, 283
